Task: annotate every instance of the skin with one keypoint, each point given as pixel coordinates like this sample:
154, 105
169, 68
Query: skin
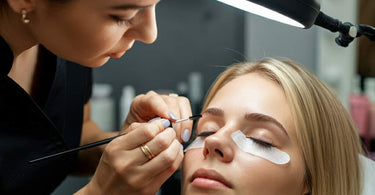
245, 173
90, 24
90, 32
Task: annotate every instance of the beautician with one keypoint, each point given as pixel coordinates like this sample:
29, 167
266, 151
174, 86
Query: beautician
45, 99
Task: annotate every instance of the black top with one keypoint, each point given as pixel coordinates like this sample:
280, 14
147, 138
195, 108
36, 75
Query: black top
32, 128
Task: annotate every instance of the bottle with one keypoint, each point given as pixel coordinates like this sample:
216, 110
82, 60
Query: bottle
182, 89
102, 106
370, 91
359, 106
195, 90
128, 94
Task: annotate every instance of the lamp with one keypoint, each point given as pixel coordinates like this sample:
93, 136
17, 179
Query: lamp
303, 14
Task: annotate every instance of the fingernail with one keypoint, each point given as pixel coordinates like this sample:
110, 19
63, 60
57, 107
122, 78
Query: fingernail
182, 147
166, 123
154, 119
173, 116
186, 135
174, 127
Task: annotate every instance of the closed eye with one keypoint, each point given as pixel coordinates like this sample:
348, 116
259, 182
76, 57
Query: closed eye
262, 143
120, 21
205, 134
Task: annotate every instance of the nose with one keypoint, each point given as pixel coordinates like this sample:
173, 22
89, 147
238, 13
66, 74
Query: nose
218, 146
146, 29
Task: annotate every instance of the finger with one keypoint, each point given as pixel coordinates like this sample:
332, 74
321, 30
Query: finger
141, 134
173, 107
131, 127
145, 174
163, 176
183, 129
160, 143
165, 160
154, 119
152, 104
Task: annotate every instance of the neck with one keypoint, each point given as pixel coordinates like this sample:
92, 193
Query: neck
17, 34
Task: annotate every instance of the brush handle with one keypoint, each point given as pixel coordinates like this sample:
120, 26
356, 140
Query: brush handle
101, 142
91, 145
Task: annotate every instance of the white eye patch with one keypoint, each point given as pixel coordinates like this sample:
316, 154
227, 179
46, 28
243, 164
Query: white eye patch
271, 154
248, 145
197, 143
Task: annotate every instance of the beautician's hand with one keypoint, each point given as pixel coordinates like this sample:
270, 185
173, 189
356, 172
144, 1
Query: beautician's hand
138, 162
148, 106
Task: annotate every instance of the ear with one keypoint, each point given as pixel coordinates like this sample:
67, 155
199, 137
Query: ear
18, 5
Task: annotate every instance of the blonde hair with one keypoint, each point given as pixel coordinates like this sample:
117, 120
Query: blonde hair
325, 131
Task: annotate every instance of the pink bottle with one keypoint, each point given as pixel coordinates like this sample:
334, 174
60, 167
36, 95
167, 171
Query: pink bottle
372, 128
360, 111
370, 91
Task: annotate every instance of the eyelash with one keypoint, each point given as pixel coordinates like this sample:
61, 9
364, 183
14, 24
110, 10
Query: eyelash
205, 134
121, 21
262, 143
257, 141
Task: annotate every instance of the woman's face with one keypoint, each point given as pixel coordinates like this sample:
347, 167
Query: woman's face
258, 107
90, 32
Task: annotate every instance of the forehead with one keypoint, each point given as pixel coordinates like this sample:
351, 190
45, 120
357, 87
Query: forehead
131, 2
108, 4
250, 87
253, 93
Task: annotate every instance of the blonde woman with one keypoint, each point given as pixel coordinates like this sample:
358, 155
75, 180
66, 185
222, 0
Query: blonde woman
283, 111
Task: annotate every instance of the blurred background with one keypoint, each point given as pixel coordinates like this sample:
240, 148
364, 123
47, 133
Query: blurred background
197, 39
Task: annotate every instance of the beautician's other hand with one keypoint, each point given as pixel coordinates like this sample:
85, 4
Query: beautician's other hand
148, 106
126, 168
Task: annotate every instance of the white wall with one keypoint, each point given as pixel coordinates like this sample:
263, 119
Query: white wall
337, 65
266, 38
315, 48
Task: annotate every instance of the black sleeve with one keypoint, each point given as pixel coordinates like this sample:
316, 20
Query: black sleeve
89, 84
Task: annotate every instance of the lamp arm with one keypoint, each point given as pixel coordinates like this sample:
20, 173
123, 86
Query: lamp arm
367, 30
348, 32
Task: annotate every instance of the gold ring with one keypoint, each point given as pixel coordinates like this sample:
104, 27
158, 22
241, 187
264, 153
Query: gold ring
173, 95
147, 152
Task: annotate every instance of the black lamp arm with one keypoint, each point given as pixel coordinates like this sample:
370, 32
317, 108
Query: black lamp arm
367, 30
348, 32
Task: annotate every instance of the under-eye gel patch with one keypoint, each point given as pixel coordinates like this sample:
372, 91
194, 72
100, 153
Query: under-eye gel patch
197, 143
248, 145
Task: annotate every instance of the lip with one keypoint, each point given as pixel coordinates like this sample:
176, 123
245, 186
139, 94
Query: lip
121, 53
117, 55
205, 178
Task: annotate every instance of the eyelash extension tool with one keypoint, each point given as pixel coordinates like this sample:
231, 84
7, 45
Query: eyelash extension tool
101, 142
197, 116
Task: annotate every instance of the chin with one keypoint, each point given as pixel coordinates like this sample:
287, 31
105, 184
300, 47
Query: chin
95, 63
191, 190
207, 192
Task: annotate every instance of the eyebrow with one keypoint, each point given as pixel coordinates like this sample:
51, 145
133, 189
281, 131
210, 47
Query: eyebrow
249, 117
264, 118
214, 112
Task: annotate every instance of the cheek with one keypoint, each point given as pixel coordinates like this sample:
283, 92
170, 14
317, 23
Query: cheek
264, 177
191, 160
94, 33
259, 172
77, 37
95, 40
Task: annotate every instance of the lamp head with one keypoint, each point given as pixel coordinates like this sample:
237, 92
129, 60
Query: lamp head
299, 13
303, 14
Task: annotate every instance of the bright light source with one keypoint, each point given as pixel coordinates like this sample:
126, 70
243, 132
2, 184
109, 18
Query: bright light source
262, 11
